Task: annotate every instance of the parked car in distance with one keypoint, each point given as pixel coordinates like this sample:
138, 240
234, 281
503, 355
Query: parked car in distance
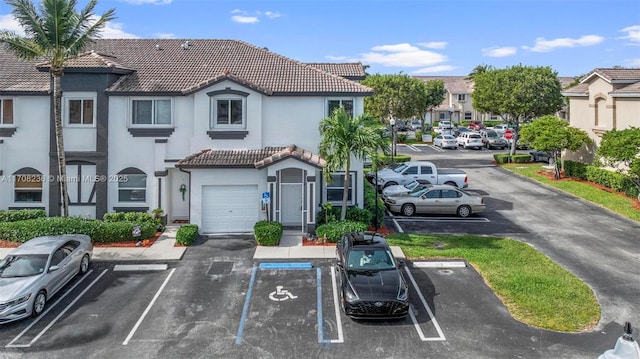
415, 125
437, 199
422, 170
500, 128
491, 139
35, 271
445, 141
470, 140
476, 125
460, 130
444, 127
541, 156
371, 175
371, 283
400, 190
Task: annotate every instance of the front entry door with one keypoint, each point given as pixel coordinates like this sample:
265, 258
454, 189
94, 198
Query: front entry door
291, 204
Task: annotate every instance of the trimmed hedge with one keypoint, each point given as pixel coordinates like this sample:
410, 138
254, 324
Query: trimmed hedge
99, 231
187, 234
268, 233
518, 158
137, 217
334, 230
13, 215
614, 180
370, 204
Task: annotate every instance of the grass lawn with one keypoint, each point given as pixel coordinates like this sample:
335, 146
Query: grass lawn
534, 289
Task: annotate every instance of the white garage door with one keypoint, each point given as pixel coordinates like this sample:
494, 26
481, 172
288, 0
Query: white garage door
227, 209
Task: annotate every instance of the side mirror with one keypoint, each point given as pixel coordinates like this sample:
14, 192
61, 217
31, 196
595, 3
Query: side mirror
53, 268
401, 263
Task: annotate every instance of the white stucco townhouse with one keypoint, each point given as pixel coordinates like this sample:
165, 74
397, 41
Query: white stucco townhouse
199, 128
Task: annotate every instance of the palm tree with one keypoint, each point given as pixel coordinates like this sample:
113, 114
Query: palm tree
344, 137
54, 33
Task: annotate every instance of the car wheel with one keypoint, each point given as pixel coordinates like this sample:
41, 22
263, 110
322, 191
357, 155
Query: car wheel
450, 183
389, 184
408, 210
39, 303
464, 211
84, 264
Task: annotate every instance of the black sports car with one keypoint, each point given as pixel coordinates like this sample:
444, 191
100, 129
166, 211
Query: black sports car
371, 283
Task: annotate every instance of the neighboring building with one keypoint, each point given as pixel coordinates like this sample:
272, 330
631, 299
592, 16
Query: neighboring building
605, 99
458, 105
199, 128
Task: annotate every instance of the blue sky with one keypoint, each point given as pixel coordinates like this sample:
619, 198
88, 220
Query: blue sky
427, 37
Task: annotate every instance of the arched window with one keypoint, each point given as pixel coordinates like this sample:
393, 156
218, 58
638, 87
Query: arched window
132, 185
27, 185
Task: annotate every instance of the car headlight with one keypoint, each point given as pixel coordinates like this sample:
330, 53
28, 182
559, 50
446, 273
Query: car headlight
403, 293
19, 300
350, 295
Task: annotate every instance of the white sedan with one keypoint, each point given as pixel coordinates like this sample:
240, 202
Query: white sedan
437, 199
445, 141
32, 273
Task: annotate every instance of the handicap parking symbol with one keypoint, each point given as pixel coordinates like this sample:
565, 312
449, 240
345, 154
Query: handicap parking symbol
281, 294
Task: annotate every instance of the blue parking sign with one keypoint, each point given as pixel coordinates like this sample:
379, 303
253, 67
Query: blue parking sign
266, 197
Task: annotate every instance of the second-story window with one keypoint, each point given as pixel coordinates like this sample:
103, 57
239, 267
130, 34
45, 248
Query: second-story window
332, 104
462, 97
79, 111
6, 111
228, 112
151, 112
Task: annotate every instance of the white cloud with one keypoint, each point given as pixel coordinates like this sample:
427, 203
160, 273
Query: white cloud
165, 35
111, 30
341, 58
401, 55
499, 51
152, 2
633, 62
434, 69
543, 45
8, 22
244, 19
434, 44
633, 33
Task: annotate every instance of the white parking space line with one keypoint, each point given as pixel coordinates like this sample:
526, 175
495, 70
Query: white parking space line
395, 223
336, 305
414, 148
139, 267
146, 311
441, 264
426, 306
11, 345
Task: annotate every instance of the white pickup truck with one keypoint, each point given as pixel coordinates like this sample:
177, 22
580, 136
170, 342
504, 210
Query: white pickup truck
423, 171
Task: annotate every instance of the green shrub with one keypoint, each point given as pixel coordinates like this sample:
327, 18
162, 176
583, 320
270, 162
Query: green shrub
99, 231
384, 160
614, 180
187, 234
402, 137
575, 169
13, 215
518, 158
268, 233
334, 230
129, 217
370, 204
357, 214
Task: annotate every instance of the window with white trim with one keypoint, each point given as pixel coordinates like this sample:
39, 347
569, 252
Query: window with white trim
156, 112
467, 115
332, 104
6, 111
228, 112
132, 185
335, 188
462, 97
79, 110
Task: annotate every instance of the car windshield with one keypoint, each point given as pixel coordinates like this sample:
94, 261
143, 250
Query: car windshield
492, 134
449, 137
411, 185
370, 259
23, 265
417, 192
399, 169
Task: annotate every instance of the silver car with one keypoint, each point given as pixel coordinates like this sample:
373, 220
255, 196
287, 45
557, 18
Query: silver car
437, 199
37, 270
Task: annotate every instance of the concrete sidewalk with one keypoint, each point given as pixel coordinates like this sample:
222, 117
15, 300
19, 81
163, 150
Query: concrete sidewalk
163, 249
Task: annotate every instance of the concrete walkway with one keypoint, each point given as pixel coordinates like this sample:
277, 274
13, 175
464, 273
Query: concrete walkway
163, 249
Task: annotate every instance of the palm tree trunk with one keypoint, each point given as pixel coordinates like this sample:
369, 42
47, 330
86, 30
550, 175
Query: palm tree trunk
57, 119
345, 195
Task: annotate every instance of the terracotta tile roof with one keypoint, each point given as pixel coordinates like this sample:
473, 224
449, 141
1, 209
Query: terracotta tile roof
20, 76
616, 74
453, 84
580, 89
350, 70
249, 158
169, 66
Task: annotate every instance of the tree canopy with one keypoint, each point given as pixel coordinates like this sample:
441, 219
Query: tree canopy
344, 137
552, 135
622, 147
401, 96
